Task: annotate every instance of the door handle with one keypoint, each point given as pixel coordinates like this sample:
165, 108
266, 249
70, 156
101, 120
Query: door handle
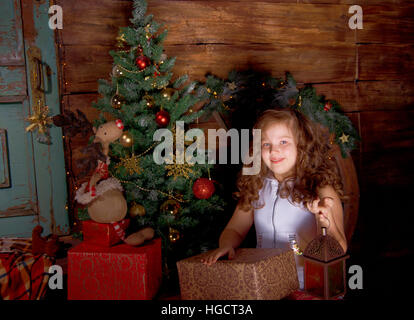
38, 74
34, 58
4, 160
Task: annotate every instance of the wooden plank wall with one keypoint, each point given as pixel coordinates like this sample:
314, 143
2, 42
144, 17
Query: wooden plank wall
369, 71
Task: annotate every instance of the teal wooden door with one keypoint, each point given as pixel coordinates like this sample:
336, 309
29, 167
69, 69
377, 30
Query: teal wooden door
32, 174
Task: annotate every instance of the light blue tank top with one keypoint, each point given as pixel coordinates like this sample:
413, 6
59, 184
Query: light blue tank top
279, 221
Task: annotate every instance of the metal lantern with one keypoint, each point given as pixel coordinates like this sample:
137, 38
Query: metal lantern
325, 275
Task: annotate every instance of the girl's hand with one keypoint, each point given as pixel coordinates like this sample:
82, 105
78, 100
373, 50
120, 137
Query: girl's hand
322, 209
220, 252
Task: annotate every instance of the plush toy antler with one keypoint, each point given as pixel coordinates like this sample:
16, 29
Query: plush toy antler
73, 124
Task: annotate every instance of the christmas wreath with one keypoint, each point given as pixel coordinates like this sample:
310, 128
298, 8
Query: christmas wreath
244, 95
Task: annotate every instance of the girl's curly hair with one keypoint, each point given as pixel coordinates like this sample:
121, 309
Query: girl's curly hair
315, 167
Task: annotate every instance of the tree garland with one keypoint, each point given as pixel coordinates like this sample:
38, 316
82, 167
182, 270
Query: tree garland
246, 94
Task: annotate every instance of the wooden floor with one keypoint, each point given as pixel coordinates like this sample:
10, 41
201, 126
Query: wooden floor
385, 276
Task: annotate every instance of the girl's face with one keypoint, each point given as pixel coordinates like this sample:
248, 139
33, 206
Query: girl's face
279, 151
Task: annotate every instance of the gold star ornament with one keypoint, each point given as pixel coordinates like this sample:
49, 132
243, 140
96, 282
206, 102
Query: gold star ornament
121, 41
131, 164
39, 119
179, 170
344, 138
232, 86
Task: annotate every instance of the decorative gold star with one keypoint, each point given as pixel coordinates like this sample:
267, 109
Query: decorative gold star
344, 138
179, 170
147, 32
131, 164
121, 40
121, 37
39, 119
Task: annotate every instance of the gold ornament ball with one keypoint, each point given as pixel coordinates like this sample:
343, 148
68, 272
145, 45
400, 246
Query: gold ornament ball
126, 139
168, 93
174, 235
117, 101
150, 101
171, 207
136, 210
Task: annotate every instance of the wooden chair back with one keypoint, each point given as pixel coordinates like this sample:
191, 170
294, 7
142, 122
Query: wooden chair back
349, 177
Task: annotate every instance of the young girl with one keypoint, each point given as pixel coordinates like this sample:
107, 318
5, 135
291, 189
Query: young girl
295, 194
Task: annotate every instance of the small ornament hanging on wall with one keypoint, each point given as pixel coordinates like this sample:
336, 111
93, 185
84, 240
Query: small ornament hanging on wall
41, 120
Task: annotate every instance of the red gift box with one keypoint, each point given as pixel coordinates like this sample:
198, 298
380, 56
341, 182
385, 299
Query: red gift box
101, 234
121, 272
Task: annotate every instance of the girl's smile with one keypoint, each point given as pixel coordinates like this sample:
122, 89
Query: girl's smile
279, 151
276, 160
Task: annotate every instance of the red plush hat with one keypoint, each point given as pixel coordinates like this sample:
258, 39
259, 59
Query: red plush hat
119, 124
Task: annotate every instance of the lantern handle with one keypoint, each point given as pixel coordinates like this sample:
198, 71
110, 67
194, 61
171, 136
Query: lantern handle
326, 228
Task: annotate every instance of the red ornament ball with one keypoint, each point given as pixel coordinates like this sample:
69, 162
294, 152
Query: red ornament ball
162, 118
142, 62
203, 188
327, 106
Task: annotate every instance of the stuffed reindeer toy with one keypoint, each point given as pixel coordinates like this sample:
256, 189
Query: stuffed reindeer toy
103, 194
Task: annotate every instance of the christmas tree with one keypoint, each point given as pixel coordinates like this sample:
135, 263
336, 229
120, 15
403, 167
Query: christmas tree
178, 199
